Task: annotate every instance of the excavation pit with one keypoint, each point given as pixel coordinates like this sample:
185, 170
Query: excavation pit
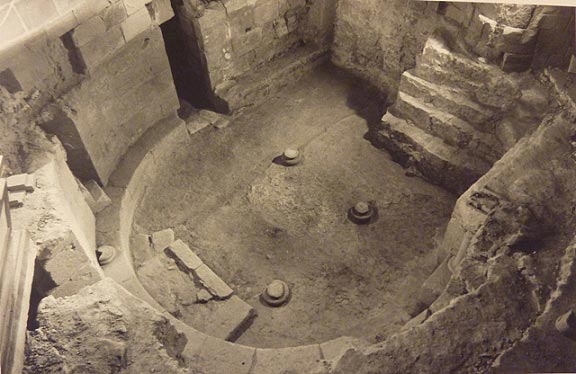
195, 220
251, 221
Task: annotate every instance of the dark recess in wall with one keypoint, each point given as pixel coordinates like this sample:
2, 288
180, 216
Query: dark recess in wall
191, 85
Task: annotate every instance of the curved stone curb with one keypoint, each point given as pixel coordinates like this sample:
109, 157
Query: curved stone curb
206, 353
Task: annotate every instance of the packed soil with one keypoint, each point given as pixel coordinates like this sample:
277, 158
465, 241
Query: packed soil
252, 220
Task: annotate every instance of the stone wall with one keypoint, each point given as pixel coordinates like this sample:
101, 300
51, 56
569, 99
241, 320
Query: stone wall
516, 37
555, 40
380, 39
229, 38
126, 85
87, 76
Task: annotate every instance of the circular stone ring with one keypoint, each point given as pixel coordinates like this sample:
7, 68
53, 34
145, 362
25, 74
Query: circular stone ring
362, 212
291, 157
105, 254
276, 294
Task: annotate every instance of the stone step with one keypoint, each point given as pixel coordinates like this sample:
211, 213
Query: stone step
442, 164
451, 129
15, 313
451, 100
452, 66
484, 83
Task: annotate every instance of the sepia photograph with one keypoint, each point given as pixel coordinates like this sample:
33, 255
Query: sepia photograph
287, 187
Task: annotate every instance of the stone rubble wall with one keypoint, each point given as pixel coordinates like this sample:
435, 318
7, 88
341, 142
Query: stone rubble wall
233, 37
516, 37
379, 40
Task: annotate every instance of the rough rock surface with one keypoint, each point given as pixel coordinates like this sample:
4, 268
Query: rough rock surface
379, 41
103, 329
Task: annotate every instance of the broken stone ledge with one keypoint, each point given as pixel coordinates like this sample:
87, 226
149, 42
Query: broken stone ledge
209, 354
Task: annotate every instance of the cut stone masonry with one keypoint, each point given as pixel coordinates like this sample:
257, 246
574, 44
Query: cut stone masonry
445, 121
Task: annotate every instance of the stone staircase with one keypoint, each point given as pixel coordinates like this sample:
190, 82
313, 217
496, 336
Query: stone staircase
444, 120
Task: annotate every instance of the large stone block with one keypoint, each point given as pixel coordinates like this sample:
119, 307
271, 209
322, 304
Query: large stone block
134, 6
98, 50
88, 30
241, 21
184, 256
516, 62
99, 197
266, 11
213, 282
217, 356
162, 239
113, 15
162, 10
136, 24
102, 327
304, 359
233, 6
66, 267
460, 15
36, 13
223, 319
85, 10
247, 42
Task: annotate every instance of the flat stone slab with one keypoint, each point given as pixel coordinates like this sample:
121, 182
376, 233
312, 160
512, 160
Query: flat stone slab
168, 288
162, 239
211, 117
21, 182
16, 198
196, 123
216, 356
101, 199
141, 249
224, 319
304, 359
222, 123
213, 282
179, 251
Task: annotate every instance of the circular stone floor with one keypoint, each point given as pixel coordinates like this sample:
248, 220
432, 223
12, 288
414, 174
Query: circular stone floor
254, 221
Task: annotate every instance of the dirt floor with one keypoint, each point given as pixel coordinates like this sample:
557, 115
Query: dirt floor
254, 221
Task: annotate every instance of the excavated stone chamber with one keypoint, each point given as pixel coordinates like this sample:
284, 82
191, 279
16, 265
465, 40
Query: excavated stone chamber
203, 217
251, 220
